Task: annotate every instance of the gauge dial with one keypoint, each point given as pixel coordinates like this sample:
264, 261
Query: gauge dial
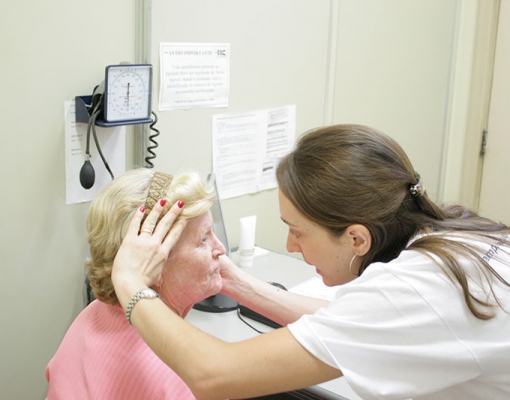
127, 92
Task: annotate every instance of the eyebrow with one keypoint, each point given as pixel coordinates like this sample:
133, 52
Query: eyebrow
288, 223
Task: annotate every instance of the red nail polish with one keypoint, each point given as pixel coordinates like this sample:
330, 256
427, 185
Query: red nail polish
142, 209
162, 202
180, 204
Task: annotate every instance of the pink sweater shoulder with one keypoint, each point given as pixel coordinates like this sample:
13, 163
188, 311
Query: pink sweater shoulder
103, 357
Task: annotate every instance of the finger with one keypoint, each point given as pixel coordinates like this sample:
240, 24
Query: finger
163, 226
149, 225
173, 236
134, 225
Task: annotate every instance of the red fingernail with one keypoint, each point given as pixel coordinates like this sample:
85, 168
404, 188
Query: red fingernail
180, 204
162, 202
142, 209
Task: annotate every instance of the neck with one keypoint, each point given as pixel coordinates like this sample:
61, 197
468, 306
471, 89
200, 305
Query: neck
177, 307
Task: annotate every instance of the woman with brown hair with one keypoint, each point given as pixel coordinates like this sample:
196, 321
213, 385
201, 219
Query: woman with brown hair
422, 308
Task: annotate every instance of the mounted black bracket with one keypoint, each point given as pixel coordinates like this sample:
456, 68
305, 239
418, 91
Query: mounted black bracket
83, 105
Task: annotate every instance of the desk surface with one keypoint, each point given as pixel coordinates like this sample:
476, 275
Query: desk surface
227, 326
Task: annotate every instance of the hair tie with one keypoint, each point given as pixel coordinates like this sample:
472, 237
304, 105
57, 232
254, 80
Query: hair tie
417, 189
158, 189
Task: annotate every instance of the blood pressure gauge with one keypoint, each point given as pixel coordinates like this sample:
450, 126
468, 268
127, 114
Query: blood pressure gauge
128, 92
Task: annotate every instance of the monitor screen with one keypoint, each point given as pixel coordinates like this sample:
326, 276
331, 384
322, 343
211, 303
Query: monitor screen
219, 302
217, 215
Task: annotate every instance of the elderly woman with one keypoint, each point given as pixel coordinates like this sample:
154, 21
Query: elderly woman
102, 356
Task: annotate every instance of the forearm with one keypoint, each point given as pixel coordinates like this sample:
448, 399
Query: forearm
279, 305
194, 356
213, 369
180, 345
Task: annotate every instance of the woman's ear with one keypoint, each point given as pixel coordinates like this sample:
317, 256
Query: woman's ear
360, 239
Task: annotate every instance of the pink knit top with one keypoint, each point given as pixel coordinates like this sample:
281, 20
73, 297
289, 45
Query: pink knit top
103, 357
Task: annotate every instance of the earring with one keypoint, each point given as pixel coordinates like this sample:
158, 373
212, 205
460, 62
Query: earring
350, 265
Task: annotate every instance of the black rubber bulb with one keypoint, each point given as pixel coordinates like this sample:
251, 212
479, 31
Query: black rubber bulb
87, 175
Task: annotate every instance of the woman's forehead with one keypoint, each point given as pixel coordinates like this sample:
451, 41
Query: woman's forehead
198, 225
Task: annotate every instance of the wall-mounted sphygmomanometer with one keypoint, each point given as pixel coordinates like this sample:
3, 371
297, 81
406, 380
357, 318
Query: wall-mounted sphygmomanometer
128, 92
123, 98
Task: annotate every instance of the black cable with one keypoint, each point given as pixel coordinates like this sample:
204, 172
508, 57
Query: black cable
154, 145
246, 322
92, 121
87, 175
97, 144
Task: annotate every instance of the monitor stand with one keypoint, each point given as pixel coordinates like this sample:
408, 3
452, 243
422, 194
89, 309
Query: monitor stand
216, 304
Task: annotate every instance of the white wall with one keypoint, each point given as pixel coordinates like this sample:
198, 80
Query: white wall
387, 65
393, 72
51, 51
278, 56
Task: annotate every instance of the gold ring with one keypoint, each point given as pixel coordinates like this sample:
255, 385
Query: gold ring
146, 231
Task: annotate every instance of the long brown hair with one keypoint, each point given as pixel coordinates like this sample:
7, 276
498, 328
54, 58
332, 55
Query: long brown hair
352, 174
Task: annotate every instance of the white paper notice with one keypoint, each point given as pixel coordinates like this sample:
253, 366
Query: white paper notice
247, 148
113, 146
194, 75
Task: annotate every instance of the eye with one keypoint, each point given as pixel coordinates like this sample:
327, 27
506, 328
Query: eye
294, 233
206, 237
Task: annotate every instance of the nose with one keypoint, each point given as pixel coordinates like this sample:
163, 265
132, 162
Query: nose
292, 247
218, 247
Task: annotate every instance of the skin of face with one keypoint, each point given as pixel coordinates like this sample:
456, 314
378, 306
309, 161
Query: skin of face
192, 271
330, 255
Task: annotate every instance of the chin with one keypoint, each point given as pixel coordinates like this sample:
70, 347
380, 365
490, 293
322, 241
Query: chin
332, 282
215, 287
327, 282
219, 286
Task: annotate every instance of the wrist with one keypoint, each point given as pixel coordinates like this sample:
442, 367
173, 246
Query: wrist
141, 294
126, 287
237, 285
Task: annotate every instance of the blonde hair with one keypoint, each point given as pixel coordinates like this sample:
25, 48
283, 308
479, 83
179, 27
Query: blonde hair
113, 209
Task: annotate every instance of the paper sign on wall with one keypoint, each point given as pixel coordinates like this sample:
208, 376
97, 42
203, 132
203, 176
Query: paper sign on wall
194, 75
247, 148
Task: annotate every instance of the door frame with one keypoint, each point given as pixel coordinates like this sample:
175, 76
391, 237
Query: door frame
469, 106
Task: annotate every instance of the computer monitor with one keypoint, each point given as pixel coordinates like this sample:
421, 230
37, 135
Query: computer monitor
219, 302
217, 215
